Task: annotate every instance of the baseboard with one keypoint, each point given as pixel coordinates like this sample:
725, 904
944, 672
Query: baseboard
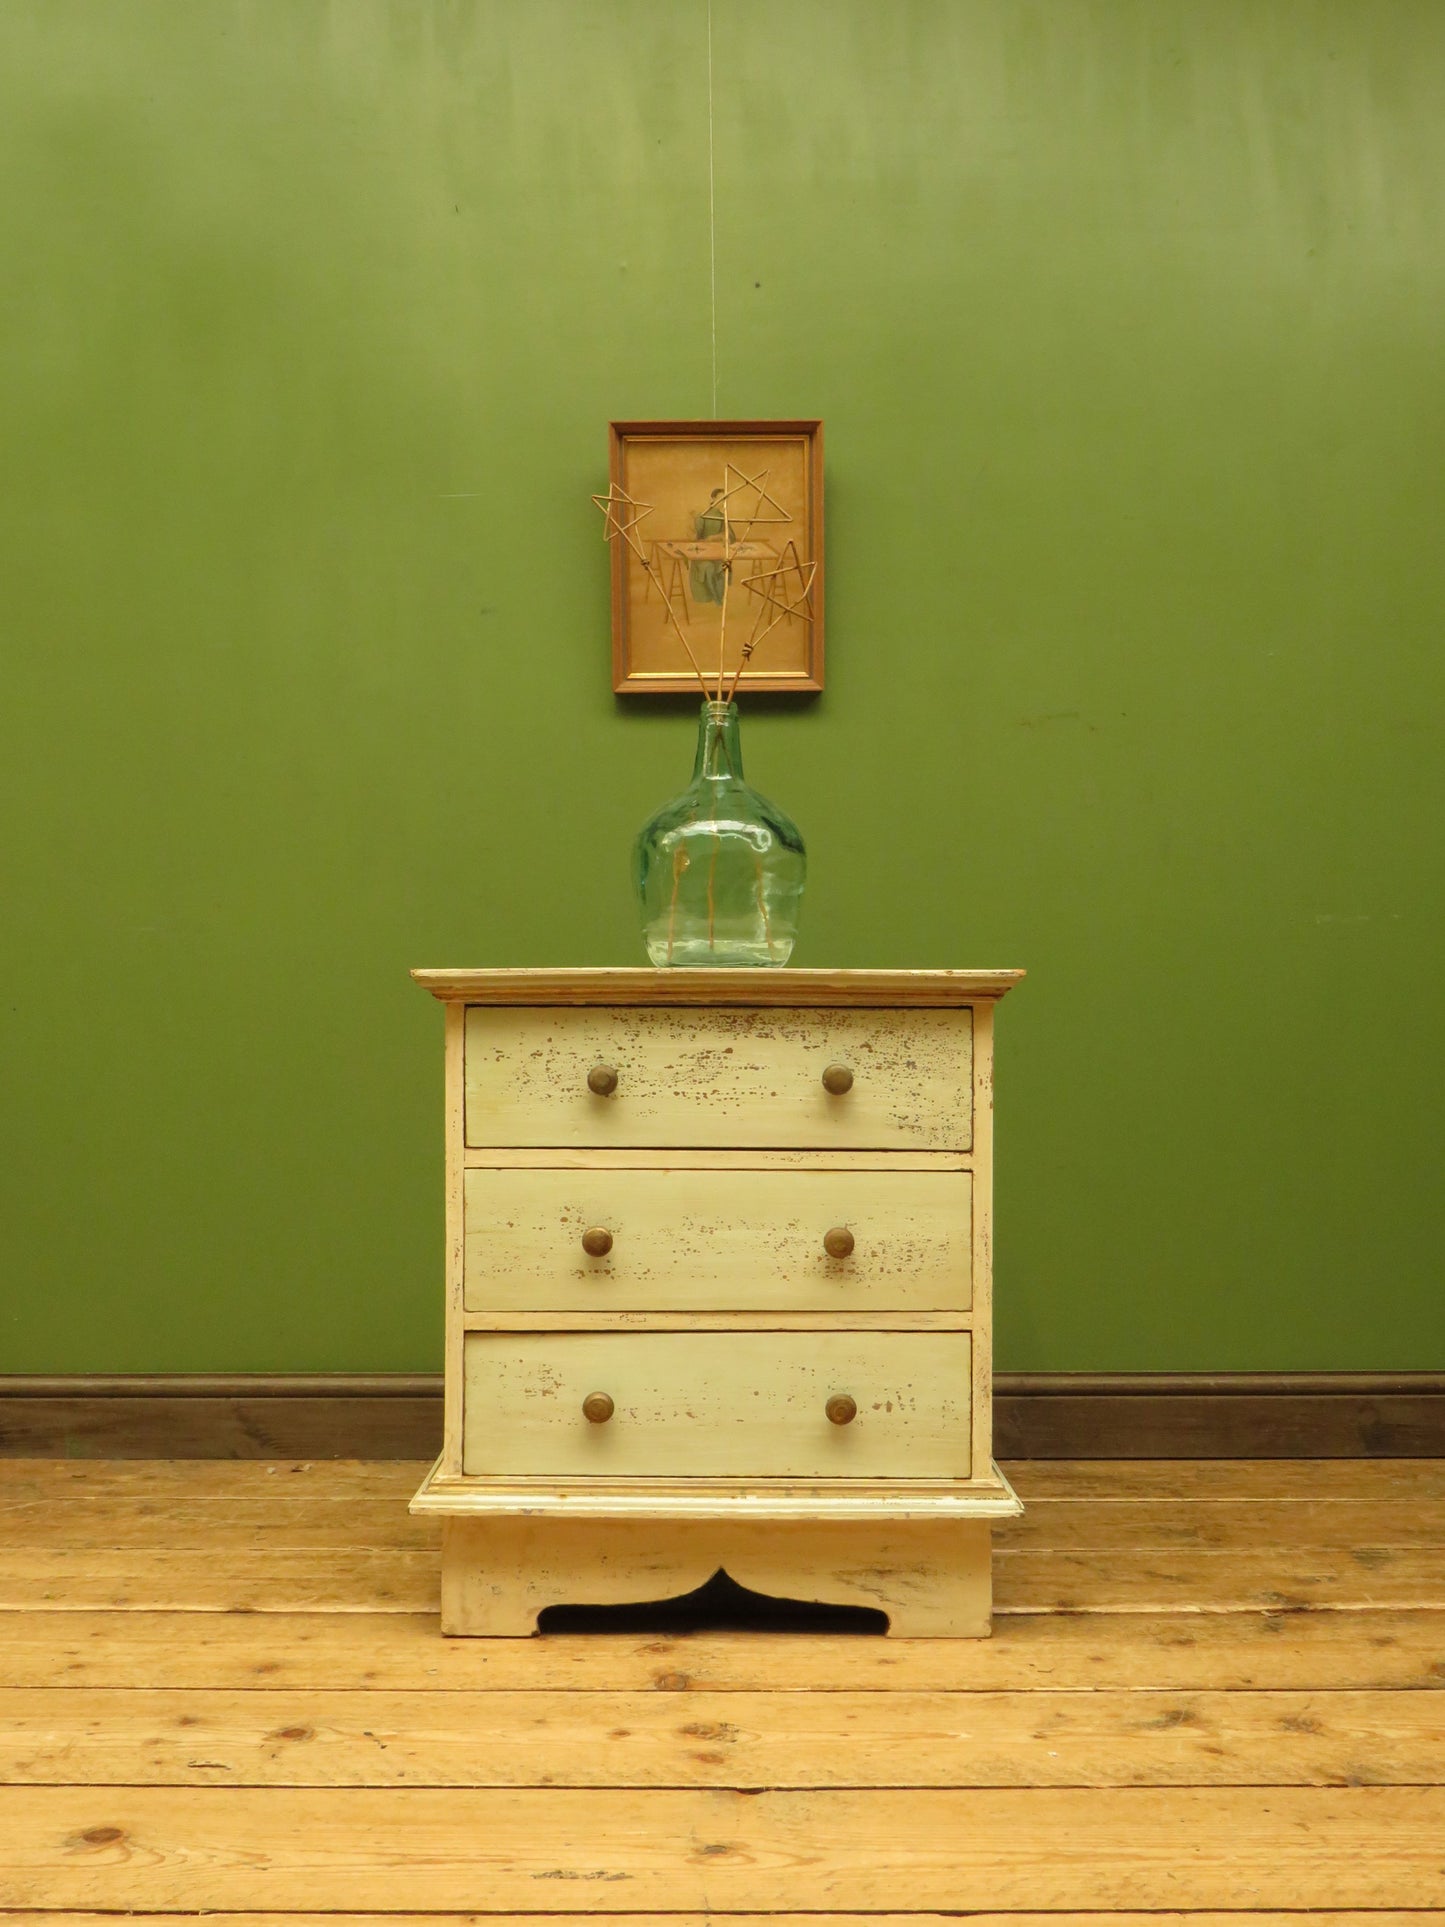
1225, 1415
319, 1415
1051, 1415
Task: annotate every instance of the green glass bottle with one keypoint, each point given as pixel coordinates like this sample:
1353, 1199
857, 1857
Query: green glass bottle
719, 870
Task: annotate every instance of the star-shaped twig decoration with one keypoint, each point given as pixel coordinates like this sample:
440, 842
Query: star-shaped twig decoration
622, 515
801, 605
758, 482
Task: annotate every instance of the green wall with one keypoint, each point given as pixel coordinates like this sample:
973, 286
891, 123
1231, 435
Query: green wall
1125, 320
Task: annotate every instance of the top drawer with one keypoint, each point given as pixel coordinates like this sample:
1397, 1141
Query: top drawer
747, 1078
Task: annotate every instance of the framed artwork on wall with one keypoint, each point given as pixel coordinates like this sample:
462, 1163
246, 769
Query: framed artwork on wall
722, 561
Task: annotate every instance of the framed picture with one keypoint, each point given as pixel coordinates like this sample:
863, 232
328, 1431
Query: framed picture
717, 555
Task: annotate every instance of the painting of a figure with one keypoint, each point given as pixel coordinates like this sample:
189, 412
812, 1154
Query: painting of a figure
726, 544
709, 578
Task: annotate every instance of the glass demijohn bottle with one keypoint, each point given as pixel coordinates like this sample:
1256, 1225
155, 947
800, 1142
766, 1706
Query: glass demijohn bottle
719, 870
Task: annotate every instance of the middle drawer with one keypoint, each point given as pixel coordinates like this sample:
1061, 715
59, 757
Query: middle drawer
718, 1240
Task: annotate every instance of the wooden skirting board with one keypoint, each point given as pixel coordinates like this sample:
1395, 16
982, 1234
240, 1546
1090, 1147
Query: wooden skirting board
1056, 1415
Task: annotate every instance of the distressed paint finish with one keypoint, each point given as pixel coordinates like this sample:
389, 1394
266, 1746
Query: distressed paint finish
737, 1077
718, 1404
932, 1578
714, 1320
665, 1501
716, 989
708, 1241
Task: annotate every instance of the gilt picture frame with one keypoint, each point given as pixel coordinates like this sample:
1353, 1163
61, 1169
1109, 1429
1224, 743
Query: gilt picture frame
725, 543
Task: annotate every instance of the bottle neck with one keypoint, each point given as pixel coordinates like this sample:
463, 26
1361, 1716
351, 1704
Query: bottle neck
719, 747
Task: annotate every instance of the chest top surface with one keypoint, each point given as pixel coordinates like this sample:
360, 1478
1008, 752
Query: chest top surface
822, 988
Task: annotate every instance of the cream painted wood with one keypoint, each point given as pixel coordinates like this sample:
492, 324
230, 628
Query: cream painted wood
730, 1403
982, 1265
727, 1076
455, 1261
713, 1321
655, 1157
864, 1500
714, 989
695, 1241
720, 1328
930, 1577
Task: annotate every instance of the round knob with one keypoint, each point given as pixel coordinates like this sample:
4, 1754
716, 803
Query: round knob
838, 1243
841, 1409
602, 1080
597, 1241
837, 1080
597, 1408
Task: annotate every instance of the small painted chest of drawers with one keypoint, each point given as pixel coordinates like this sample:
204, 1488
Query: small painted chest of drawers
718, 1291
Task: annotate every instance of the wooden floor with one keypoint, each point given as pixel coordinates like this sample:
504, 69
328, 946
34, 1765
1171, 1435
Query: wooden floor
1213, 1689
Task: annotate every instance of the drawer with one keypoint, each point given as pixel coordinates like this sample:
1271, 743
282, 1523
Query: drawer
700, 1404
749, 1078
734, 1240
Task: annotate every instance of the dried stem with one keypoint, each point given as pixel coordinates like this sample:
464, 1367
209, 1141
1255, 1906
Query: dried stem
722, 638
679, 864
608, 503
652, 573
724, 692
757, 636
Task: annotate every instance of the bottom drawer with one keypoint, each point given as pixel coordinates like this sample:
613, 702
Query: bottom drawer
721, 1404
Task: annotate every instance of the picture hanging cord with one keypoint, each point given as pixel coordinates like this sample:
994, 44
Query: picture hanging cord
711, 216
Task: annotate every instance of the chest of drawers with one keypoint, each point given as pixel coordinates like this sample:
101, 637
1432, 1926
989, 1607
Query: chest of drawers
718, 1291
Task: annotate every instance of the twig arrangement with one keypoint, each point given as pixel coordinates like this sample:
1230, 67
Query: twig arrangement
623, 517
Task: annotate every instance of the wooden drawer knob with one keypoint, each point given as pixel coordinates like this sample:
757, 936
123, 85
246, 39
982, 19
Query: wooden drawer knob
837, 1080
597, 1241
597, 1407
841, 1409
602, 1080
838, 1243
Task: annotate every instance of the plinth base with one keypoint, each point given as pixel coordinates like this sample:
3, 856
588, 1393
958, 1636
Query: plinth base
930, 1576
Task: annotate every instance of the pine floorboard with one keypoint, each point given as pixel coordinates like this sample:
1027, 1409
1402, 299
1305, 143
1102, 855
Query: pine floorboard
1213, 1696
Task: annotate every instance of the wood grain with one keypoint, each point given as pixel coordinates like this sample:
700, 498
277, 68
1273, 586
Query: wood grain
345, 1481
347, 1579
158, 1422
351, 1763
1308, 1420
1150, 1653
1286, 1580
113, 1520
276, 1849
371, 1738
1153, 1482
1384, 1917
243, 1579
1056, 1525
316, 1538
